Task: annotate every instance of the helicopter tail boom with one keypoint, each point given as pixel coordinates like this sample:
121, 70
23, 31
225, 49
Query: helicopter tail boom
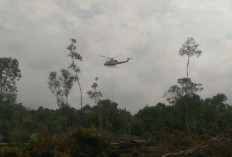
124, 61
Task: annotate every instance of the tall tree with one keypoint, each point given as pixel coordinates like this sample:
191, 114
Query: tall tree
185, 86
61, 86
189, 48
55, 87
9, 73
96, 95
176, 92
75, 57
66, 80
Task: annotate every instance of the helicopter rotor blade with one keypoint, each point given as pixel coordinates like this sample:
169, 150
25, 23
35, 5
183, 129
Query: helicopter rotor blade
117, 56
106, 57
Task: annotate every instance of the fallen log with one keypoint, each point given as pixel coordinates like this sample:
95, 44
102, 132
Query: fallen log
201, 146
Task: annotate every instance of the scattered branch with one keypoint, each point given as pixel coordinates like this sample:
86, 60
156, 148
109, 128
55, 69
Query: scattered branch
201, 146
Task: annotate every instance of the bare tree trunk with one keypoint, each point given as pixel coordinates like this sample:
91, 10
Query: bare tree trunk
100, 118
186, 92
187, 67
66, 100
186, 115
128, 125
66, 123
57, 99
65, 114
80, 91
1, 87
107, 120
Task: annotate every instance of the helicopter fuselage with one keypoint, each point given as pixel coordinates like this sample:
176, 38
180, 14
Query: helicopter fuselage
115, 62
111, 63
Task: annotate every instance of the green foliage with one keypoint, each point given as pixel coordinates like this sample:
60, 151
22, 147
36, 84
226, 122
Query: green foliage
73, 54
73, 66
95, 94
45, 132
184, 87
9, 73
33, 140
61, 86
55, 87
204, 118
189, 48
78, 142
87, 143
11, 150
66, 81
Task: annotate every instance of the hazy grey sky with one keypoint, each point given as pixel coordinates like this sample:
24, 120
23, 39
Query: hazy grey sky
37, 33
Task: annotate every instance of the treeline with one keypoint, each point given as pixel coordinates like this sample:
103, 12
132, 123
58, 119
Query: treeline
209, 117
161, 124
18, 123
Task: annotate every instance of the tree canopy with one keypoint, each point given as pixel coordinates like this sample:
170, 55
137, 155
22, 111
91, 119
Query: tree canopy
9, 74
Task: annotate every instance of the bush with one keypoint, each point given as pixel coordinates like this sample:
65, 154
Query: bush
78, 142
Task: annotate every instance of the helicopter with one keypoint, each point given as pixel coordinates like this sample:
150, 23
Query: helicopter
111, 61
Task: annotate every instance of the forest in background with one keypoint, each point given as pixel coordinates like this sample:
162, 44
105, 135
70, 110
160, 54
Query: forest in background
188, 126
